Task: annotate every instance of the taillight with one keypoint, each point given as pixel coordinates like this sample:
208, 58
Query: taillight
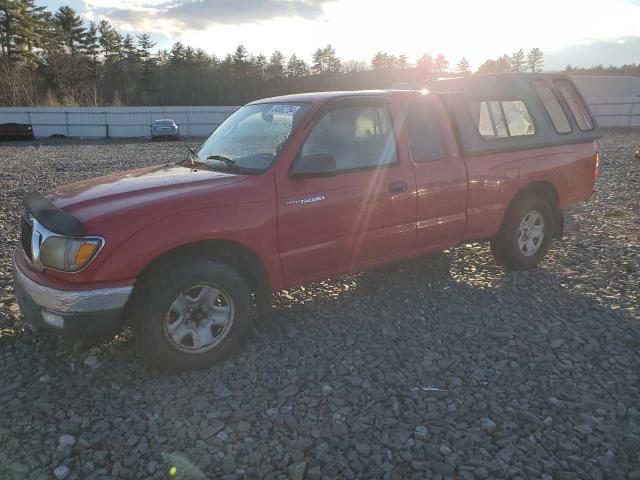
597, 166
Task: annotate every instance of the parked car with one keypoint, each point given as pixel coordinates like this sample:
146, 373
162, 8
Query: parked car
16, 131
165, 128
295, 189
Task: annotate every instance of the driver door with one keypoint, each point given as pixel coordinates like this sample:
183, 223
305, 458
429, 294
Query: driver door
364, 213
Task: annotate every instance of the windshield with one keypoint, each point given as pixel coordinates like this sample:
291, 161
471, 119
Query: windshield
252, 137
164, 123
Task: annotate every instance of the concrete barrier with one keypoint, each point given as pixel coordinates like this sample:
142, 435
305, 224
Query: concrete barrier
614, 101
114, 122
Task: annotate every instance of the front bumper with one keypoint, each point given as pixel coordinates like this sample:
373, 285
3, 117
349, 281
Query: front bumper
74, 313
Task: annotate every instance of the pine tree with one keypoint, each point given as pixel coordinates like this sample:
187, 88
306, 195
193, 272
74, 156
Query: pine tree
129, 49
275, 68
383, 61
325, 60
10, 15
110, 42
260, 66
319, 65
425, 66
517, 62
71, 28
500, 65
90, 47
189, 55
30, 32
177, 56
21, 24
240, 55
240, 62
145, 44
201, 60
331, 59
464, 67
535, 60
440, 65
296, 67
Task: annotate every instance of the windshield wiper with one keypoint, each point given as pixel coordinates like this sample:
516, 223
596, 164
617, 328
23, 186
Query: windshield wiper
191, 154
226, 160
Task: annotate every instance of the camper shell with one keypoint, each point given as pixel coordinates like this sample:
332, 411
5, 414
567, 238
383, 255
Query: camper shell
459, 95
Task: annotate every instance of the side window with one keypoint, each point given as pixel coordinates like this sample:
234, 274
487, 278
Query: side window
424, 129
577, 107
552, 106
501, 119
518, 118
357, 137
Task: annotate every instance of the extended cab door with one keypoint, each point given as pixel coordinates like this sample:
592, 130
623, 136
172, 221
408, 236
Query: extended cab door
360, 215
440, 172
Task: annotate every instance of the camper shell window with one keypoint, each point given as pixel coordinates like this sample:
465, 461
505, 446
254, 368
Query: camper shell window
501, 119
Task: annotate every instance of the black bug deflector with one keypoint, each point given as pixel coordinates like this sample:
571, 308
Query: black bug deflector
52, 217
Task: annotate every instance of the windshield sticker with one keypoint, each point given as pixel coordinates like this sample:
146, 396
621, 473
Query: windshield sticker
283, 110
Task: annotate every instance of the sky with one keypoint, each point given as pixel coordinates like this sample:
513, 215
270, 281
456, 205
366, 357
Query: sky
579, 32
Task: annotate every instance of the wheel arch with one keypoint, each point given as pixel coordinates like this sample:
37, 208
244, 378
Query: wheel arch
546, 190
542, 188
232, 253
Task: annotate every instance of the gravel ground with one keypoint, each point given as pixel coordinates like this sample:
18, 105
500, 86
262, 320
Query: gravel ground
535, 374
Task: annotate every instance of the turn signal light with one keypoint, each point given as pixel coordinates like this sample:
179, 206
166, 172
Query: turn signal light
85, 253
597, 167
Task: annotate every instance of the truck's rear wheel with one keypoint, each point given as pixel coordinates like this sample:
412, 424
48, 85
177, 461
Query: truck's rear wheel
526, 233
192, 314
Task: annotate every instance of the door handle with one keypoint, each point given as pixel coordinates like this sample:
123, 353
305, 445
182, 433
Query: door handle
398, 187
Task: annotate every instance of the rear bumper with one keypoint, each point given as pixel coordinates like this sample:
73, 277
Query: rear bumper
168, 134
74, 313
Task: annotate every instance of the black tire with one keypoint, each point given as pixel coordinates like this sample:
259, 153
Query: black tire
156, 302
505, 246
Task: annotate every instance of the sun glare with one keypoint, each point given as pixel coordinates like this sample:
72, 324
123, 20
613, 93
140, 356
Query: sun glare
475, 30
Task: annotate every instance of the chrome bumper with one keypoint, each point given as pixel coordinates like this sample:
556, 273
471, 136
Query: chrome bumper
63, 301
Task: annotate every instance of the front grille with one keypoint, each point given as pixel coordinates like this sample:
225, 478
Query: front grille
25, 237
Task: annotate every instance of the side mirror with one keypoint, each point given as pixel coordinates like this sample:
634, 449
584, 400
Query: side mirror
314, 166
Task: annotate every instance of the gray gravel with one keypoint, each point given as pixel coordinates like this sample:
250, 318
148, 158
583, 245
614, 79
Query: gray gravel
536, 374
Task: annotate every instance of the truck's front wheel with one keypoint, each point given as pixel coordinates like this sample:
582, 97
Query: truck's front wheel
192, 314
526, 233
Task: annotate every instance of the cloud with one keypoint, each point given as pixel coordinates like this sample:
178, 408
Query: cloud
591, 52
203, 14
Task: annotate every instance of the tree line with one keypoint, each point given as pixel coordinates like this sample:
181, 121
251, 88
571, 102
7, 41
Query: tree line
55, 58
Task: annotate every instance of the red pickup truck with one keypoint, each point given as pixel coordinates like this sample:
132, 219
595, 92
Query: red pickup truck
295, 189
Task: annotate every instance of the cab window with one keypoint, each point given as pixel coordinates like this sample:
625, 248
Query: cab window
426, 137
356, 136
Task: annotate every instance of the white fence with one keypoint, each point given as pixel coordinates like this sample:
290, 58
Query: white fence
114, 121
614, 100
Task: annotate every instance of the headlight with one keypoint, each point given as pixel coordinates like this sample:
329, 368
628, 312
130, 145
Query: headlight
68, 254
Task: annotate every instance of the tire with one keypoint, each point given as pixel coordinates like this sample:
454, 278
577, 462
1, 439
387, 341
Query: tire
181, 303
525, 235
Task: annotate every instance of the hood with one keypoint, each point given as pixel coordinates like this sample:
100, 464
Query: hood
98, 196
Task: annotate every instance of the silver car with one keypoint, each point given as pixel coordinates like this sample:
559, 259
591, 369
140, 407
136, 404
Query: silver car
165, 128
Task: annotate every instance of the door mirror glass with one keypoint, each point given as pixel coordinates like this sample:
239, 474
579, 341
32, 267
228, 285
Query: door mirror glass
314, 166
